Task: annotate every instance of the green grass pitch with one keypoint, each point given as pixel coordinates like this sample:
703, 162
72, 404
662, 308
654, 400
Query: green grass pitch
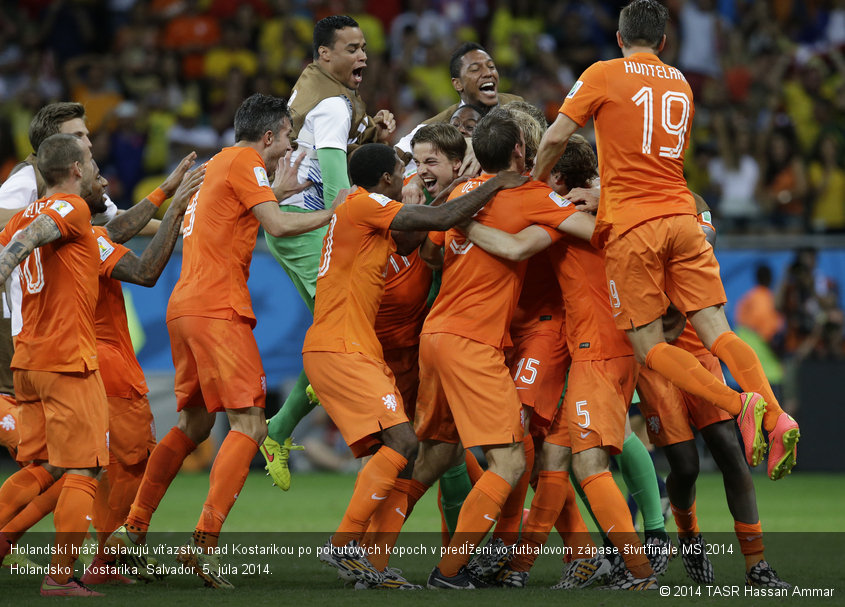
802, 518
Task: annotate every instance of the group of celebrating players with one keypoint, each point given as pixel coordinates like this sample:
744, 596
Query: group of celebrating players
458, 283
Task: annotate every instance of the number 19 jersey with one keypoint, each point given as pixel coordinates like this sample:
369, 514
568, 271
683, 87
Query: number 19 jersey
643, 111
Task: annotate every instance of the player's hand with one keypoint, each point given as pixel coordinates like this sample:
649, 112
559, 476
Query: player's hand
187, 188
586, 199
469, 165
175, 178
341, 196
385, 123
510, 179
412, 192
286, 181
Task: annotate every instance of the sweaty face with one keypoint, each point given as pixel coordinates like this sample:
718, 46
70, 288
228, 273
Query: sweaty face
76, 127
479, 79
346, 59
435, 169
464, 119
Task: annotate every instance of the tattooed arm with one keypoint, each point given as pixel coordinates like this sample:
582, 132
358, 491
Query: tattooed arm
128, 224
40, 232
146, 269
416, 217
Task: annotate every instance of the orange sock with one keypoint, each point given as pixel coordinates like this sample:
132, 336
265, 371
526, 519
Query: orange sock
686, 521
545, 510
612, 513
42, 505
573, 530
162, 466
685, 371
114, 496
474, 469
386, 523
20, 489
71, 518
507, 529
480, 510
228, 474
746, 369
415, 492
375, 482
750, 542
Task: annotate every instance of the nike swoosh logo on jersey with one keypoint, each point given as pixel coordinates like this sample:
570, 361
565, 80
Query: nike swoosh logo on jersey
487, 516
376, 497
402, 514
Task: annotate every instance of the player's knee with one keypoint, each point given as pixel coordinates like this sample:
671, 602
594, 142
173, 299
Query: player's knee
685, 472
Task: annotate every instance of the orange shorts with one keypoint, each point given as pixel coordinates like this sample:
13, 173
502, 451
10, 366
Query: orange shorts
217, 364
9, 424
538, 364
64, 418
466, 393
132, 434
405, 365
595, 405
669, 411
662, 260
359, 394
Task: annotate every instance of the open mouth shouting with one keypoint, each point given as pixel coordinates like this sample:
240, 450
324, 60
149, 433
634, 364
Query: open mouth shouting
487, 92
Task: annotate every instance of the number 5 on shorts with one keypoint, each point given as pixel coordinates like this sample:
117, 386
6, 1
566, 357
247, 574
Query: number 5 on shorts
581, 410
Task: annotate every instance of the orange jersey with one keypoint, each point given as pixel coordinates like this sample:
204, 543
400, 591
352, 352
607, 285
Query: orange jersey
219, 232
403, 305
590, 331
59, 283
350, 281
119, 368
479, 291
540, 305
643, 110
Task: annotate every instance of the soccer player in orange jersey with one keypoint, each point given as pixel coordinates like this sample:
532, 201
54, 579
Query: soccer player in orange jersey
131, 433
654, 250
462, 349
669, 414
210, 321
64, 416
344, 359
590, 425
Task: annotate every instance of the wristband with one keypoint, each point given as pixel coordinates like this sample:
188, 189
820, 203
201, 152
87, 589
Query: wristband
157, 197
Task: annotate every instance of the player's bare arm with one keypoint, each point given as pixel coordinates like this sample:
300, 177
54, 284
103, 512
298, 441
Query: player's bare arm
146, 269
40, 232
385, 125
128, 224
514, 247
431, 254
443, 217
552, 146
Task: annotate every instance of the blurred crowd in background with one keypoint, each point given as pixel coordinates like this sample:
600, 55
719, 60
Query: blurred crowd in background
159, 77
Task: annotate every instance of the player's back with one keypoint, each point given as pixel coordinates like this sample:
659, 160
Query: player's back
219, 233
403, 304
479, 291
540, 305
350, 280
643, 112
590, 331
59, 283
